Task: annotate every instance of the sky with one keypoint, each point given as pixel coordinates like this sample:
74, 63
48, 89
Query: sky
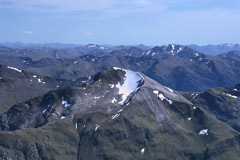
120, 22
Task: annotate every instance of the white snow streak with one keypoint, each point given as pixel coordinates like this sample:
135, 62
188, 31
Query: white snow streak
97, 126
115, 116
18, 70
229, 95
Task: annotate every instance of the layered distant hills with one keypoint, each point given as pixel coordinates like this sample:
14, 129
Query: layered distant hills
179, 67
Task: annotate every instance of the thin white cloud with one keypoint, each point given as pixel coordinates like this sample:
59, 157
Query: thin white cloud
78, 5
88, 34
27, 32
57, 5
143, 3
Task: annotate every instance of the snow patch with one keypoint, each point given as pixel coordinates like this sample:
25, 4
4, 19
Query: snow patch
114, 100
27, 105
148, 52
115, 116
132, 81
75, 62
235, 90
62, 117
120, 110
189, 118
97, 126
162, 97
101, 48
65, 103
143, 150
18, 70
156, 92
111, 85
45, 110
203, 132
97, 97
39, 80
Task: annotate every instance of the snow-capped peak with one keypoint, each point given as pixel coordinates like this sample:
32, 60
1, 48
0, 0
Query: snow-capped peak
132, 82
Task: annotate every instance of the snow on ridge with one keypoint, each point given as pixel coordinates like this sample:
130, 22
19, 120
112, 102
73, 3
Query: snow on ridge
18, 70
169, 89
195, 96
143, 150
229, 95
116, 115
172, 51
162, 97
179, 50
131, 83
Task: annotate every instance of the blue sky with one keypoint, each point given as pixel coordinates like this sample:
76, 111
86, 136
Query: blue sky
150, 22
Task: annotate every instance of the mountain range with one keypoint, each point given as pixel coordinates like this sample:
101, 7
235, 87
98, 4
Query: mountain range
126, 102
178, 67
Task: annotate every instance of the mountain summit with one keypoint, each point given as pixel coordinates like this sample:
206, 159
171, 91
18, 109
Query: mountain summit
116, 114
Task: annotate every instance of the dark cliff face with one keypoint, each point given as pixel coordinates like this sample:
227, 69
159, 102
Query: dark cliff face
116, 114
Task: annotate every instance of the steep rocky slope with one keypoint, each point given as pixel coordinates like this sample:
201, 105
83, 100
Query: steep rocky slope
18, 85
222, 102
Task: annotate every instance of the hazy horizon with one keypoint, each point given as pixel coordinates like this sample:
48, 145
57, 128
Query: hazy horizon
30, 43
